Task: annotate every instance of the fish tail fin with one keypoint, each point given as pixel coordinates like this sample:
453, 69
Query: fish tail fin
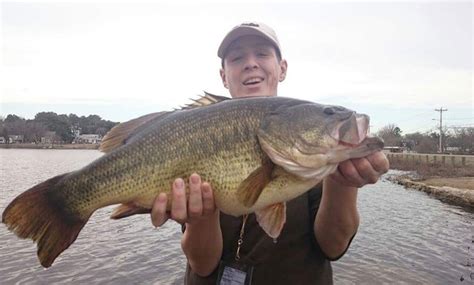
33, 214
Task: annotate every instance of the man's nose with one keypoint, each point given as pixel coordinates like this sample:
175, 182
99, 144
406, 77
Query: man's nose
250, 63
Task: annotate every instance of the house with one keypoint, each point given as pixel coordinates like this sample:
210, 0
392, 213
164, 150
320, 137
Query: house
452, 149
3, 140
388, 149
50, 138
15, 139
76, 131
88, 138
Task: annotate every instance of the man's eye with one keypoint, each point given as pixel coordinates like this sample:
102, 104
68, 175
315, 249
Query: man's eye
236, 58
262, 54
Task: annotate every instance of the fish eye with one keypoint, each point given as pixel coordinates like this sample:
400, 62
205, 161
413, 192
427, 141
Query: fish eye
329, 110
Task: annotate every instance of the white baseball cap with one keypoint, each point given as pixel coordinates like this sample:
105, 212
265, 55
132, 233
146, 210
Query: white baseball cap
248, 29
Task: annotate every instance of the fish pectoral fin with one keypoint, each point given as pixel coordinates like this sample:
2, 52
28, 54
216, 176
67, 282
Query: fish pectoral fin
119, 134
272, 219
250, 189
127, 210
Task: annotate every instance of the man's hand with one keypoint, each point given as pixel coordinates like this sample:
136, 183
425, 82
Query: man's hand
361, 171
337, 219
202, 239
199, 205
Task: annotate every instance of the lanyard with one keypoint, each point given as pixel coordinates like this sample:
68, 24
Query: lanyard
235, 272
241, 238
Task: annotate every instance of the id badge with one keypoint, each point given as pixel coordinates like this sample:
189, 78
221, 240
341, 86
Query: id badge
234, 273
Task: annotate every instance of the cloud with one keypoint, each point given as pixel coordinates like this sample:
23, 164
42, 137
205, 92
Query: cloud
395, 54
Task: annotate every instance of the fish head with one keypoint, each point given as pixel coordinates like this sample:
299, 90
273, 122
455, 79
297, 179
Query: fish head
309, 140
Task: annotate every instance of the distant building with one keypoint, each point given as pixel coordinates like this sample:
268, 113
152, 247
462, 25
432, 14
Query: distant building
3, 140
88, 138
76, 131
15, 139
452, 149
50, 138
388, 149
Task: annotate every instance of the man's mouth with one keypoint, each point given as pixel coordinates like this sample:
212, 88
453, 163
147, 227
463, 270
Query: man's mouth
253, 80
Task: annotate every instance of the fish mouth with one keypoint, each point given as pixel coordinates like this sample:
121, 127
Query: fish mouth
373, 143
367, 146
347, 151
369, 141
254, 80
347, 144
351, 131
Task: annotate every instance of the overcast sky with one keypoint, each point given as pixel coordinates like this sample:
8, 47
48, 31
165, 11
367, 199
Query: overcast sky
396, 62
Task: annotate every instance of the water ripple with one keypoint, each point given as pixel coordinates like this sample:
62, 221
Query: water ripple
405, 237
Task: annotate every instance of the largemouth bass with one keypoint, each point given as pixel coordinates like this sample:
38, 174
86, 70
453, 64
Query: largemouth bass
257, 153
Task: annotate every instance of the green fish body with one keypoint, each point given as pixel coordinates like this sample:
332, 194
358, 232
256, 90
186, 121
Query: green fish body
256, 153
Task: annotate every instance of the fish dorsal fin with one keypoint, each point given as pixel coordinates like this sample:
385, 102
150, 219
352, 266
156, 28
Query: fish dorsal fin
272, 219
204, 100
118, 135
250, 189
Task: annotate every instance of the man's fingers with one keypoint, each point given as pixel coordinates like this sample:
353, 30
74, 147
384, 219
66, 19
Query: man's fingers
208, 203
158, 212
351, 174
366, 171
178, 207
195, 197
379, 162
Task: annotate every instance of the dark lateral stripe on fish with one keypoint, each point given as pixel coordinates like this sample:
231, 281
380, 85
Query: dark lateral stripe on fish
34, 215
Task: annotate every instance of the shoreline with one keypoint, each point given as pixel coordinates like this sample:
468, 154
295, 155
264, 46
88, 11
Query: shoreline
48, 146
453, 195
447, 191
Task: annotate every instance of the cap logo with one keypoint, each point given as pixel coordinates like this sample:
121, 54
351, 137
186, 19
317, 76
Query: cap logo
250, 24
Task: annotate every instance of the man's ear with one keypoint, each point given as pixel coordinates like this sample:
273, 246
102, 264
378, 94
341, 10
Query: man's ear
283, 69
224, 79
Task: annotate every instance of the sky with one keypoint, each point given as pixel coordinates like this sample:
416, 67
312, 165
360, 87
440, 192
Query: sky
395, 61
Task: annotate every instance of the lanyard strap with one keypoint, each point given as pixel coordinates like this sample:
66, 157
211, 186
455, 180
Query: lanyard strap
241, 238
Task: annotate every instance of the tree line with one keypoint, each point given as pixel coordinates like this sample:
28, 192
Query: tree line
63, 126
455, 140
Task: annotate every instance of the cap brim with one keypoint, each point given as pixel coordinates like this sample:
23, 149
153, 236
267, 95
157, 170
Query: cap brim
239, 32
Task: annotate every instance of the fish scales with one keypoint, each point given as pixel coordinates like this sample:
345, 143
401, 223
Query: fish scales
224, 150
257, 153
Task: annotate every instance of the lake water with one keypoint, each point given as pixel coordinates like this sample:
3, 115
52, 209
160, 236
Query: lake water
405, 237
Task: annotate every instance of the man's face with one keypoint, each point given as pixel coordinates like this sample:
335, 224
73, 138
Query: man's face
251, 68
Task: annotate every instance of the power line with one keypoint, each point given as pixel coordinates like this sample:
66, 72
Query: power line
413, 116
458, 119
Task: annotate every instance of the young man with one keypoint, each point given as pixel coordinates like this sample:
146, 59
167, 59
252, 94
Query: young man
320, 224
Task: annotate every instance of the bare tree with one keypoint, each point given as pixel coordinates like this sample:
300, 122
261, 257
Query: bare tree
462, 138
391, 134
34, 131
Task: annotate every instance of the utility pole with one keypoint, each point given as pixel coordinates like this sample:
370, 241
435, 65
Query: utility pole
441, 110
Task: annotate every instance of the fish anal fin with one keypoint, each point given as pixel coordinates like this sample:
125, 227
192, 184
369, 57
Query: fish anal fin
272, 218
127, 210
118, 135
34, 215
250, 189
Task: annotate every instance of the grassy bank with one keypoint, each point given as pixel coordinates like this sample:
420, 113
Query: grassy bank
451, 184
49, 146
429, 170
